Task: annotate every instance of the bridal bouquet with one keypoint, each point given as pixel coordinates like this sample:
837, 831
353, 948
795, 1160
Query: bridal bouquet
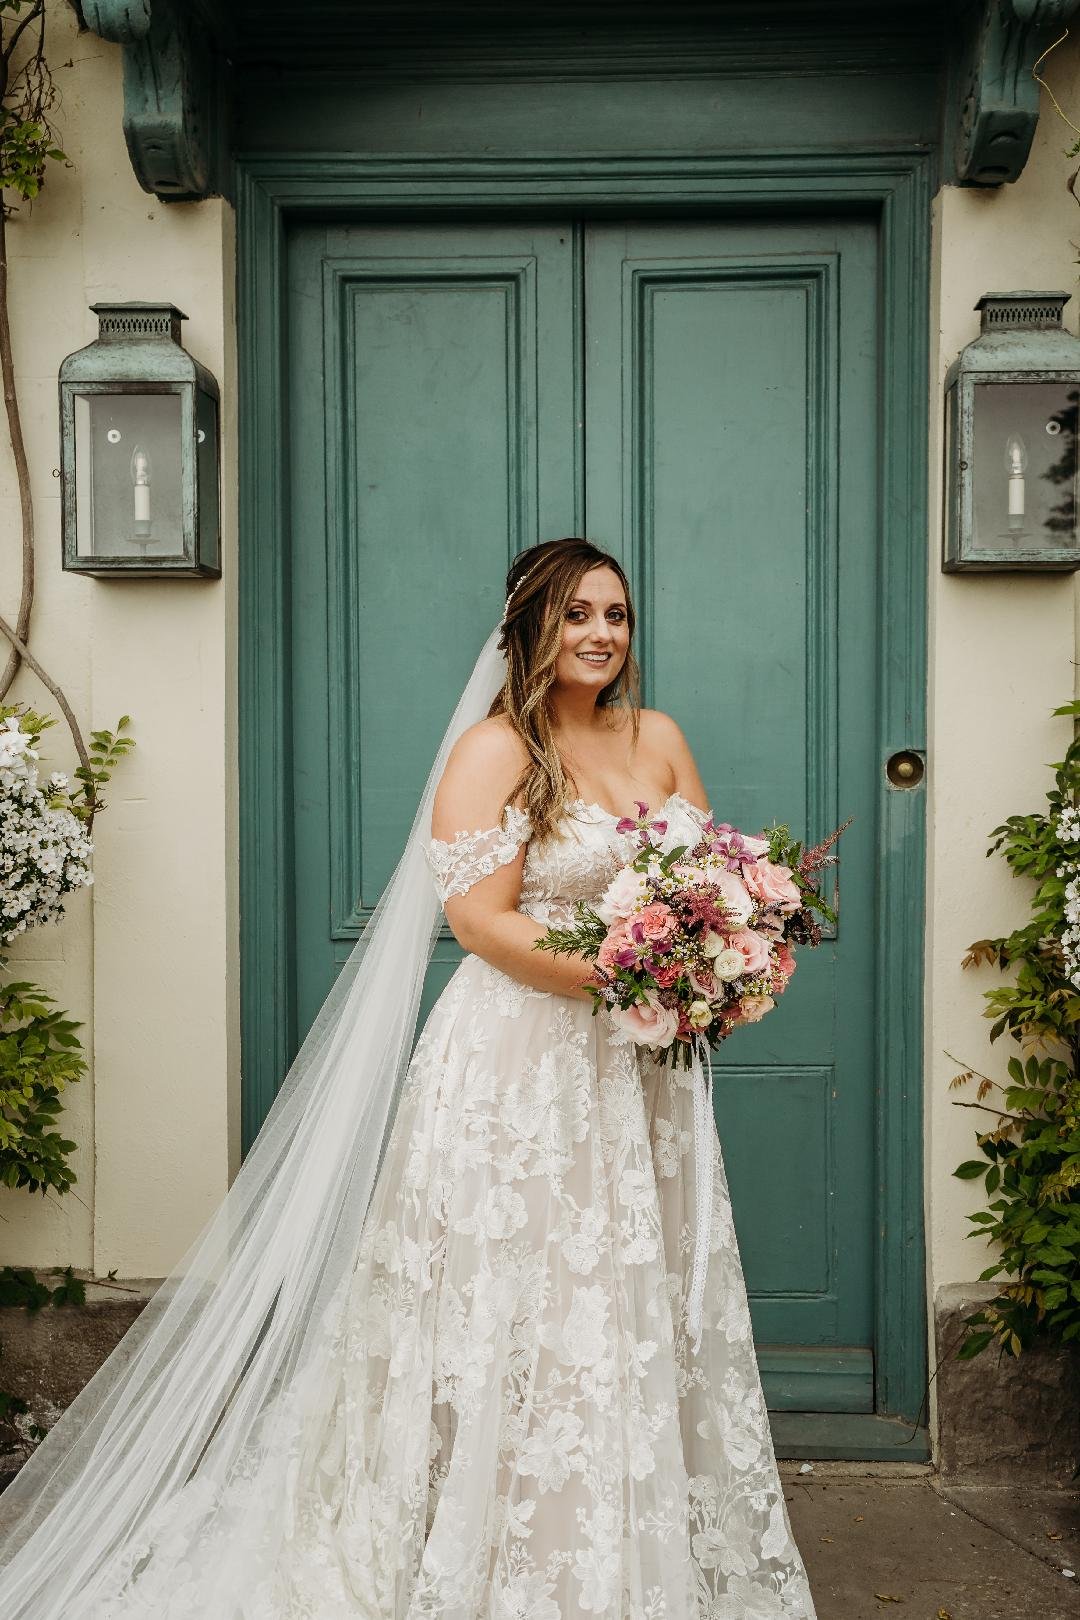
694, 941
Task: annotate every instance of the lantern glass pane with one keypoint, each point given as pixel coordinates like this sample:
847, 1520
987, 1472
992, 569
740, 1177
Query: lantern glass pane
128, 475
1023, 474
206, 435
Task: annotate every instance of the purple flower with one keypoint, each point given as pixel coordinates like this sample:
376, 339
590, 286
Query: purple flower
729, 844
642, 825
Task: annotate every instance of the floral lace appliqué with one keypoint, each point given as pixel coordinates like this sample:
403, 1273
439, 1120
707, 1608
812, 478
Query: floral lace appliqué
459, 862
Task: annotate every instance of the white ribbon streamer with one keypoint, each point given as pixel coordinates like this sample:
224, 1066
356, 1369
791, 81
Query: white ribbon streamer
702, 1077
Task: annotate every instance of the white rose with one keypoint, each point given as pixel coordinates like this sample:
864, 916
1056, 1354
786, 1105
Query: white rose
700, 1014
728, 963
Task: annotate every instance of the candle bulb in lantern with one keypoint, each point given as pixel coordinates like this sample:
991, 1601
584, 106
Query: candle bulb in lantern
1016, 462
140, 474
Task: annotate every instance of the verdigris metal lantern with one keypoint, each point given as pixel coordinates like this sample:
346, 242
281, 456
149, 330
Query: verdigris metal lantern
1010, 439
139, 449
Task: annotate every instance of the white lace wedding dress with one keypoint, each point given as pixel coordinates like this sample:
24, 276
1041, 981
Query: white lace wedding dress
510, 1422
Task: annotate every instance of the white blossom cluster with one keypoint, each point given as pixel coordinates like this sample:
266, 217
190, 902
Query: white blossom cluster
44, 850
1067, 824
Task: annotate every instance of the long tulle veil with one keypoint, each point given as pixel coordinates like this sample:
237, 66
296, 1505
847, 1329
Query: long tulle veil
189, 1410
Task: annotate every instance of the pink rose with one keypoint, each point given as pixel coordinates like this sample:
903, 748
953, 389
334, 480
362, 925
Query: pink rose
783, 967
771, 924
617, 940
751, 1008
772, 885
664, 975
655, 921
752, 947
647, 1023
624, 894
704, 983
735, 897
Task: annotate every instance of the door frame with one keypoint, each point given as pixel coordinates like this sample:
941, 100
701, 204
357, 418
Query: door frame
273, 190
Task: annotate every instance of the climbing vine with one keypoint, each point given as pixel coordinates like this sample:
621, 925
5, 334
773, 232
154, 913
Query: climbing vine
1031, 1153
28, 145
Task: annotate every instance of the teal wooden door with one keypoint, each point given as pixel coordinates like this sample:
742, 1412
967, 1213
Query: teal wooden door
699, 398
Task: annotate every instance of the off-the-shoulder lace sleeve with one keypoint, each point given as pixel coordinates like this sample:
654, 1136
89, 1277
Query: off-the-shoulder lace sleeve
457, 863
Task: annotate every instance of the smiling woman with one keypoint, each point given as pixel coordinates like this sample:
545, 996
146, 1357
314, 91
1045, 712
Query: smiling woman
565, 734
570, 1163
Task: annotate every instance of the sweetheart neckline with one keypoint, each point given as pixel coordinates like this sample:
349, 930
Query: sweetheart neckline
592, 804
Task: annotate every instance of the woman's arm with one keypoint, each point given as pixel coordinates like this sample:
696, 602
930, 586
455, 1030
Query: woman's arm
481, 770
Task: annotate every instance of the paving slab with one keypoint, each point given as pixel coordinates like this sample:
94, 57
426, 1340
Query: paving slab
892, 1541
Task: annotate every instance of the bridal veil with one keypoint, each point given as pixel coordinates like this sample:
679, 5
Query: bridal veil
190, 1395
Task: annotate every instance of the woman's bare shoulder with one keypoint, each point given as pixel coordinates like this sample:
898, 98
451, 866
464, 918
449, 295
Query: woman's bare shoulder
661, 734
481, 771
489, 744
662, 738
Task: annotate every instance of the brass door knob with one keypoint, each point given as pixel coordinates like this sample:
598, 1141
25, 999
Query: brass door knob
905, 768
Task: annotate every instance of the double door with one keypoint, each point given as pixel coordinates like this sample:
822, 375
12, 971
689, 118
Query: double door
698, 397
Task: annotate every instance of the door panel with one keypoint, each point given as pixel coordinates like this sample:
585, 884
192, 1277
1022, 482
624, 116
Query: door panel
731, 459
433, 434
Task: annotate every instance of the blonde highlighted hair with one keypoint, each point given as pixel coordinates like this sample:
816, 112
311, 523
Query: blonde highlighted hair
540, 586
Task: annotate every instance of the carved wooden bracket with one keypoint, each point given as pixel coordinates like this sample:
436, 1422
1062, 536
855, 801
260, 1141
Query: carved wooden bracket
176, 94
994, 101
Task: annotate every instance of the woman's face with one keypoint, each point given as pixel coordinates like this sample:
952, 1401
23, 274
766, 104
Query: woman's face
595, 634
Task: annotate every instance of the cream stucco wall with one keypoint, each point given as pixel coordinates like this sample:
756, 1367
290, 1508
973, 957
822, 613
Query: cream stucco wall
147, 958
1002, 653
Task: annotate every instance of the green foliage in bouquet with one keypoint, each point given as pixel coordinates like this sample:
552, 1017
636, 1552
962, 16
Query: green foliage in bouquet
1033, 1148
784, 850
40, 1054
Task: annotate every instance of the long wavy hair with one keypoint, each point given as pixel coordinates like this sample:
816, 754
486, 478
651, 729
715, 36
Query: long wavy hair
540, 586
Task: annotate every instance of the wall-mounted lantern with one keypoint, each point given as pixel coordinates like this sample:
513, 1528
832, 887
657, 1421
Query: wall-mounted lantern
1010, 439
139, 459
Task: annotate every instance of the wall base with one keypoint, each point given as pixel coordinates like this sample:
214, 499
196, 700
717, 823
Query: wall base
47, 1356
1003, 1419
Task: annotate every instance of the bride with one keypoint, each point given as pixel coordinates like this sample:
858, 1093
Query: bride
432, 1357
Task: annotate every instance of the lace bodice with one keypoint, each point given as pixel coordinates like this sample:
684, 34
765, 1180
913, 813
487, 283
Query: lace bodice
576, 863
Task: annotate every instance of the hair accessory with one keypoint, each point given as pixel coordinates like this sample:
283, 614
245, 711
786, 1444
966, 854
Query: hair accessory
515, 588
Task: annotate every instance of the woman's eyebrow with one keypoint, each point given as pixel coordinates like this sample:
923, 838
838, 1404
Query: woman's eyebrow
579, 601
